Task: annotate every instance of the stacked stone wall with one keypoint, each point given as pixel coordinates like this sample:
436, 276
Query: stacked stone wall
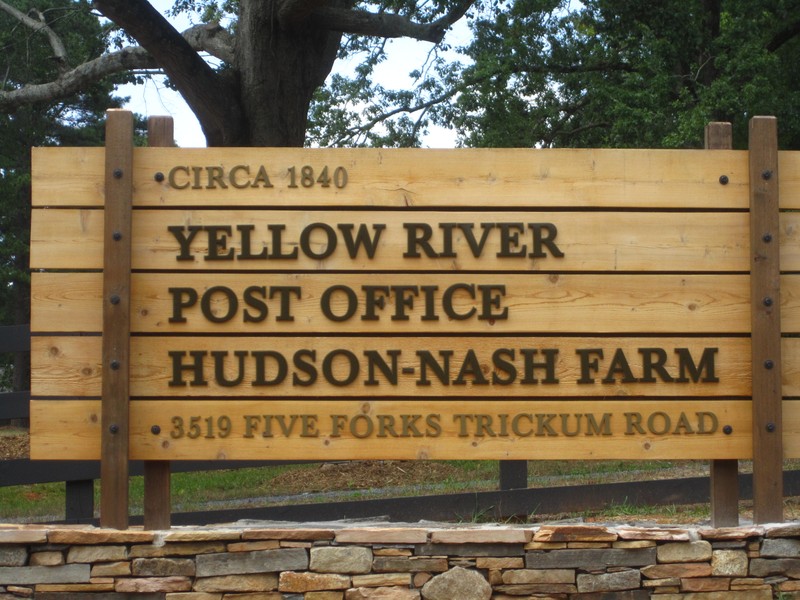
400, 563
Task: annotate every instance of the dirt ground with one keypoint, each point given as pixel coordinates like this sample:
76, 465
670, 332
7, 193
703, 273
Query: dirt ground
13, 443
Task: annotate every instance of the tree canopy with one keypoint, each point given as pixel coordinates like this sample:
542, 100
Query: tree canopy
534, 72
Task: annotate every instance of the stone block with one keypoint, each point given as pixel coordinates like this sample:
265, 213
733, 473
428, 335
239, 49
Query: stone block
95, 554
729, 563
149, 585
763, 567
489, 562
20, 592
250, 546
23, 536
677, 570
99, 536
729, 595
308, 582
481, 536
202, 535
464, 584
705, 584
13, 556
176, 549
519, 576
192, 596
390, 593
574, 533
387, 535
653, 534
537, 590
74, 588
780, 548
410, 564
163, 567
469, 550
258, 582
731, 533
308, 535
382, 580
257, 561
36, 575
262, 596
591, 560
323, 596
678, 552
608, 582
46, 559
115, 569
341, 559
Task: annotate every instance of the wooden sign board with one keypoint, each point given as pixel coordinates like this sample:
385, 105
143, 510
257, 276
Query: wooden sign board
378, 304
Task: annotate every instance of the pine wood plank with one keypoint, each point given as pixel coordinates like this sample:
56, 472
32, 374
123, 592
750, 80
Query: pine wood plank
69, 366
536, 303
414, 177
64, 422
605, 241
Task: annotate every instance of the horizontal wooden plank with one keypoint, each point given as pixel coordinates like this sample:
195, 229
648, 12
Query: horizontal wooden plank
789, 179
320, 240
361, 429
514, 367
408, 177
504, 303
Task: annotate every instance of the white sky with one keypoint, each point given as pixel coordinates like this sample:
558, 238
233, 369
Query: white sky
154, 99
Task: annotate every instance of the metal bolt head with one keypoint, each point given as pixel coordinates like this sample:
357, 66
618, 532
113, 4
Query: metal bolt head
155, 430
114, 428
723, 179
114, 299
117, 235
159, 177
767, 301
768, 364
770, 427
727, 430
115, 364
766, 175
117, 173
767, 237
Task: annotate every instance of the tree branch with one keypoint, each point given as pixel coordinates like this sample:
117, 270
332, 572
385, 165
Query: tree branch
73, 81
783, 36
210, 97
208, 38
40, 25
387, 25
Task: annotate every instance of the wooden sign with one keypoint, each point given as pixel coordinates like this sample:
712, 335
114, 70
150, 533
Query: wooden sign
378, 304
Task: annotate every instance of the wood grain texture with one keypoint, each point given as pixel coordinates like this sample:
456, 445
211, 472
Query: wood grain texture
536, 303
69, 366
604, 241
115, 311
71, 421
417, 178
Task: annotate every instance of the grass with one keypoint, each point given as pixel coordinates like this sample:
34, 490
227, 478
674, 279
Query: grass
269, 486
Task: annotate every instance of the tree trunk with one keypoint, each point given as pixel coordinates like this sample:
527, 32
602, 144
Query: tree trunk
279, 69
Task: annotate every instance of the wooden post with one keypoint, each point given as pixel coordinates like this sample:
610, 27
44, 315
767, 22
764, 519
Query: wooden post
724, 473
766, 322
157, 506
116, 319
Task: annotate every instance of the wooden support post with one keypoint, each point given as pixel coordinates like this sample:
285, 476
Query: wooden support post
513, 474
766, 322
116, 319
157, 506
724, 473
